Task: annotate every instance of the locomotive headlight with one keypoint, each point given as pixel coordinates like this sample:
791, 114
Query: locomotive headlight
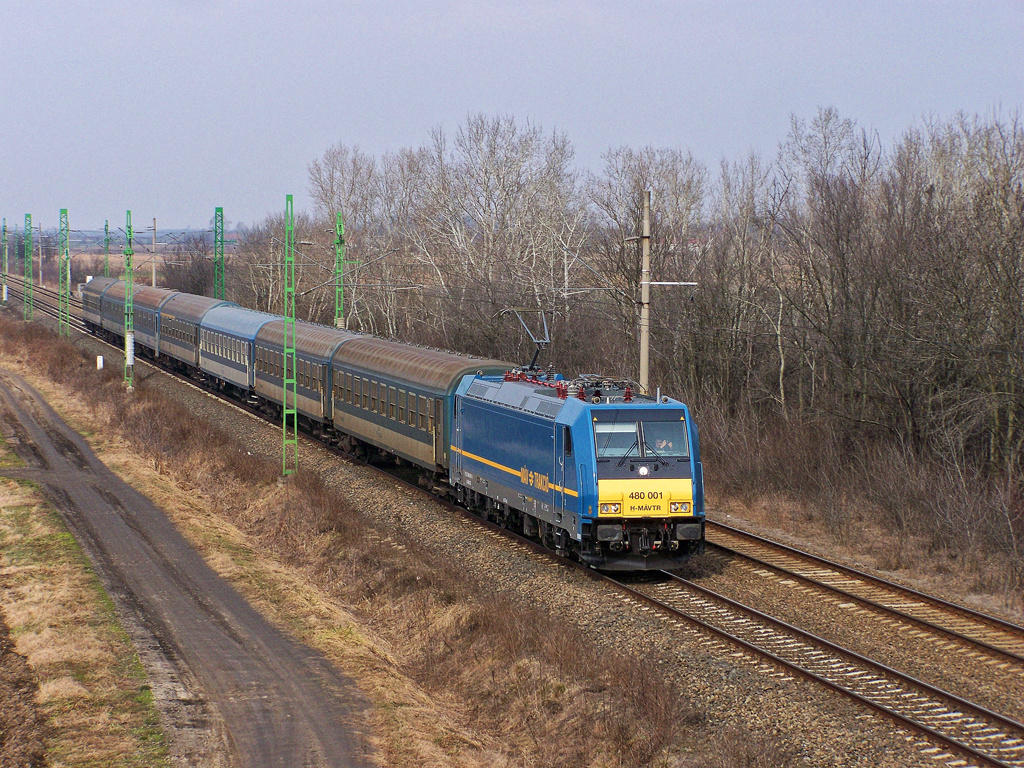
610, 509
679, 507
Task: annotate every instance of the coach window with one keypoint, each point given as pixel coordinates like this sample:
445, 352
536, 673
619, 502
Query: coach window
392, 403
401, 406
423, 413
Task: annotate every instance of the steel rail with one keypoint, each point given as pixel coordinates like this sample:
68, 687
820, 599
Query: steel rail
1015, 632
47, 309
882, 607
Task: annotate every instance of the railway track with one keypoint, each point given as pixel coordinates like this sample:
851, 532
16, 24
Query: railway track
983, 737
1001, 642
15, 289
956, 731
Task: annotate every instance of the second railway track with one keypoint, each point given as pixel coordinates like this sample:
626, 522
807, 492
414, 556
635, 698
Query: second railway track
1000, 640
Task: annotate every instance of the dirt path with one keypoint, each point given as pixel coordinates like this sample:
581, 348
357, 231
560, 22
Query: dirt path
232, 689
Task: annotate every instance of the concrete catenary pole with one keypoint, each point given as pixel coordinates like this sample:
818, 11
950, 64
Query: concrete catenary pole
645, 295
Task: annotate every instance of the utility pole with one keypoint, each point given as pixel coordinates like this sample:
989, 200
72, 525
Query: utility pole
154, 252
106, 248
64, 278
5, 262
289, 411
645, 295
218, 253
26, 304
129, 313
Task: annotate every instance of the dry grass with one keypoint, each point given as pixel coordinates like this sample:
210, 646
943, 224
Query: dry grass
92, 691
456, 676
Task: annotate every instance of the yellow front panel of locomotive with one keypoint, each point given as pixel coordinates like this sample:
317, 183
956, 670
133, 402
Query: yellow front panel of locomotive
648, 497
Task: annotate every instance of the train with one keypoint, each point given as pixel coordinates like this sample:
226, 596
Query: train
588, 466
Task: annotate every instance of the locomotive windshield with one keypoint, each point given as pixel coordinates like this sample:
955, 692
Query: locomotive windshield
665, 438
643, 439
615, 440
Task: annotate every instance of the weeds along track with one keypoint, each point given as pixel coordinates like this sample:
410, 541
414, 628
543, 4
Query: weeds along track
987, 638
955, 730
974, 734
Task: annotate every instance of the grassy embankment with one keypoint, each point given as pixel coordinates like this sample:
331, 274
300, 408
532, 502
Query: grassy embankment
92, 704
455, 675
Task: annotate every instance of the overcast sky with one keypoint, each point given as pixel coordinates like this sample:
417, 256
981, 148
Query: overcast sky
173, 107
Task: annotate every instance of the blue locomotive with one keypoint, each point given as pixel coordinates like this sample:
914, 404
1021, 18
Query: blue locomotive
586, 466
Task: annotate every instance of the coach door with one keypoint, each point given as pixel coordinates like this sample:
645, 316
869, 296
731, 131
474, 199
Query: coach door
563, 440
437, 428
